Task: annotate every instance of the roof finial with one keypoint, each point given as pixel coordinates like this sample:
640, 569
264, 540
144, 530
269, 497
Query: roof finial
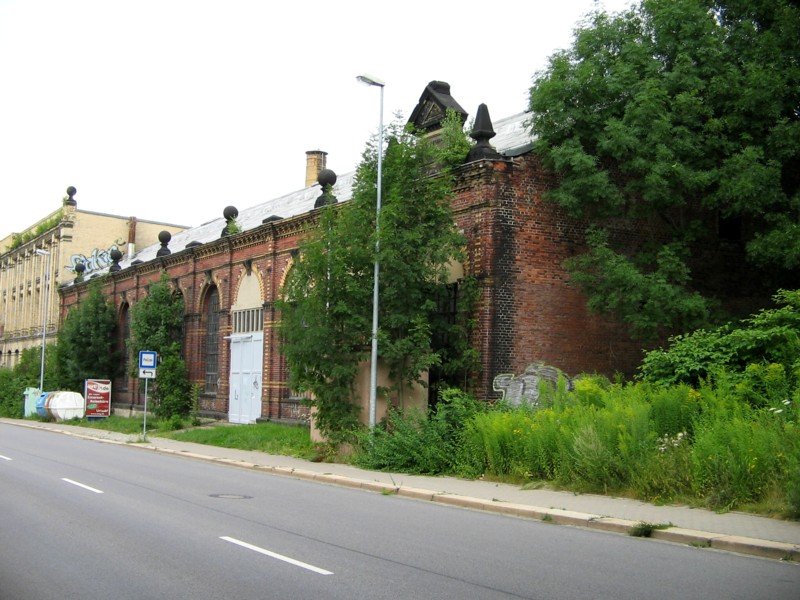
326, 179
115, 255
70, 199
164, 237
482, 132
231, 227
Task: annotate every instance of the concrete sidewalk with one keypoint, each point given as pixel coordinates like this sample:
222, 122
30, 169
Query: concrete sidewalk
731, 531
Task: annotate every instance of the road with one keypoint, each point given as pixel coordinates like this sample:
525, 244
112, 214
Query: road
83, 519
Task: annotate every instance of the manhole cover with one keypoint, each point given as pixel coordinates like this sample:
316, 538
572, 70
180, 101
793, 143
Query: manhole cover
231, 496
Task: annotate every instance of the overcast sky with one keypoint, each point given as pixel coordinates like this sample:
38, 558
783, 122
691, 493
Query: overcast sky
169, 110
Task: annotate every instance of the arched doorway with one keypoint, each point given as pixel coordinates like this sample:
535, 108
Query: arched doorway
247, 352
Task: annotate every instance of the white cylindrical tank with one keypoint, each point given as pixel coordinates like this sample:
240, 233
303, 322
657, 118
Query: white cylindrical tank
62, 406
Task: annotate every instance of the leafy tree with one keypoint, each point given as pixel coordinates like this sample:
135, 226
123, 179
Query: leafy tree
679, 113
157, 325
86, 342
326, 319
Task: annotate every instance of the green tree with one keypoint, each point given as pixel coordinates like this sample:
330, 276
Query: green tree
677, 113
157, 325
87, 342
26, 374
326, 317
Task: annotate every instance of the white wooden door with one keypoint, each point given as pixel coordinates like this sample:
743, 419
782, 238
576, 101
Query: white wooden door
244, 399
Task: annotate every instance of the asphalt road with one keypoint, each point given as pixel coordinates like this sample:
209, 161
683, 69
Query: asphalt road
83, 519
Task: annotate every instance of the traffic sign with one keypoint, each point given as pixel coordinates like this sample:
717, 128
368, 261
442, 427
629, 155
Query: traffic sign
147, 373
147, 359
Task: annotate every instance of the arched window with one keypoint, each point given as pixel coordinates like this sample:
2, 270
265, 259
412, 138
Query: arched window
211, 342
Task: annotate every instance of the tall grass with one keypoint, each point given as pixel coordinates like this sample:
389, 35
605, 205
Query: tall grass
714, 445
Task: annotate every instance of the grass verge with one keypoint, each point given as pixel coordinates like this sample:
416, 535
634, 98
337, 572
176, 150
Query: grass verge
272, 438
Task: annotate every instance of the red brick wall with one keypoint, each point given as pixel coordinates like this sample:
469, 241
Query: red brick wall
517, 243
527, 311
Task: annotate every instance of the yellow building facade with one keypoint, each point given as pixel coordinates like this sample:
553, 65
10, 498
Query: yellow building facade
36, 261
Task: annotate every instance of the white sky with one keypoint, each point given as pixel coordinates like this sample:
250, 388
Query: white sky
170, 110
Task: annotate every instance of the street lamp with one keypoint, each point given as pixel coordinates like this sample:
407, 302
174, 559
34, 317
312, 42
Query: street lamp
46, 293
373, 370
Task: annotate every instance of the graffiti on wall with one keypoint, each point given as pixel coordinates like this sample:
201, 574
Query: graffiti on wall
526, 388
98, 259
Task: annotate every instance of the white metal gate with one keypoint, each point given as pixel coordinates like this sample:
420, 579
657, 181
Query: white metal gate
244, 400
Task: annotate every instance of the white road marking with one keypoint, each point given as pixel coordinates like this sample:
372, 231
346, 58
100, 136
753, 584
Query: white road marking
4, 457
86, 487
291, 561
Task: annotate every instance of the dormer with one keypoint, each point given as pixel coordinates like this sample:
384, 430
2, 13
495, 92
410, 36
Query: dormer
432, 107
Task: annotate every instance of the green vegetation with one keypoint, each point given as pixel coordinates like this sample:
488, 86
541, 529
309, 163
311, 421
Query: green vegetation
731, 440
157, 325
18, 239
682, 114
86, 348
772, 336
644, 529
24, 375
272, 438
327, 308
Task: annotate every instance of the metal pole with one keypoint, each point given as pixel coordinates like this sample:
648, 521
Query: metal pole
373, 372
46, 293
144, 422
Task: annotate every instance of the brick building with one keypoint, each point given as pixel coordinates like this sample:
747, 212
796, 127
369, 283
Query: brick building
516, 244
49, 251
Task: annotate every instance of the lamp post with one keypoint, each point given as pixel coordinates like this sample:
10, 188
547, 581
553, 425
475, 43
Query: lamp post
46, 293
373, 370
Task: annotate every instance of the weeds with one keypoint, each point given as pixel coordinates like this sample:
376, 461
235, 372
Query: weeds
645, 529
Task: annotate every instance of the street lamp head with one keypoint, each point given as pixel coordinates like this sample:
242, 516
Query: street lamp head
370, 80
41, 252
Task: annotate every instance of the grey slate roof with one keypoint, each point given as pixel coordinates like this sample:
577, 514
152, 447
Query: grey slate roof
512, 139
289, 205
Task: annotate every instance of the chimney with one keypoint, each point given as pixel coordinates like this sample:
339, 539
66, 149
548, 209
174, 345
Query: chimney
132, 237
315, 162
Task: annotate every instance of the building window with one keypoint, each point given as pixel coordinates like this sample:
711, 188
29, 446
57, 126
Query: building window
212, 342
248, 320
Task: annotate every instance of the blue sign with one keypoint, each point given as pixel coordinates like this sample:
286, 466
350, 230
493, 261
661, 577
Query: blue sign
147, 359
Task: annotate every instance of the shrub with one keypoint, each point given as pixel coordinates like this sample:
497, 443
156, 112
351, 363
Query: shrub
412, 441
407, 441
770, 336
11, 398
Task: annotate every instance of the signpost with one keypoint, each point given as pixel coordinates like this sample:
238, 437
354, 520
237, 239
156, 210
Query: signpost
98, 398
147, 371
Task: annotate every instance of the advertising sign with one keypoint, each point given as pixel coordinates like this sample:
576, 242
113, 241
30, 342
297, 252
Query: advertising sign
98, 397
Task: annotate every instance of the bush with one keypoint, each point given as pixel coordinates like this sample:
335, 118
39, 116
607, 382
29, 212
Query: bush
414, 442
172, 392
408, 442
770, 336
11, 399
